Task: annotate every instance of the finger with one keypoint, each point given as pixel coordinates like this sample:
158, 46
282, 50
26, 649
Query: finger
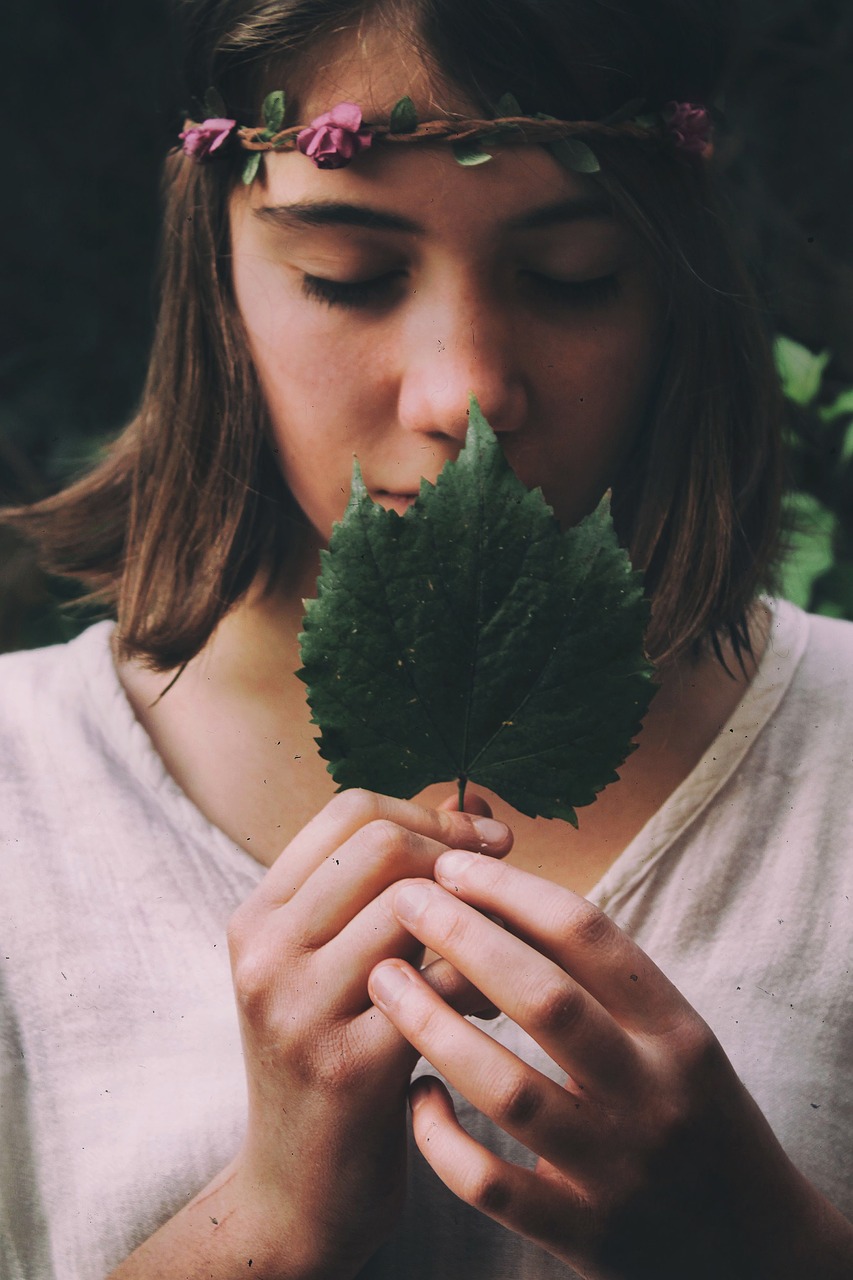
377, 855
570, 1024
541, 1114
473, 804
350, 811
456, 991
521, 1199
573, 933
374, 935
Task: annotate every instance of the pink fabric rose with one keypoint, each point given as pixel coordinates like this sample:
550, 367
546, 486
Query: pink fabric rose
690, 126
201, 140
335, 137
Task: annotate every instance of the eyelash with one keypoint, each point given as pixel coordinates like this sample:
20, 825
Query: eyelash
348, 293
579, 293
362, 294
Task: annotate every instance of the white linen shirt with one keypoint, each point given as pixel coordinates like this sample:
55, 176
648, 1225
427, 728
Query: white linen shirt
121, 1077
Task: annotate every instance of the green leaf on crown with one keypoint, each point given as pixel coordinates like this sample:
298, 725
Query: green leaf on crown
273, 112
574, 154
507, 105
250, 168
470, 153
472, 639
404, 117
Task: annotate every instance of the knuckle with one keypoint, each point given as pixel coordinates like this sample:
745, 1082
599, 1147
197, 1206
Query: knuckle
355, 806
518, 1102
583, 922
699, 1052
425, 1023
384, 839
455, 828
448, 928
488, 1190
252, 978
559, 1006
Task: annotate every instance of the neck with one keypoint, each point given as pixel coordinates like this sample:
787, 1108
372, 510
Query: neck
255, 649
235, 732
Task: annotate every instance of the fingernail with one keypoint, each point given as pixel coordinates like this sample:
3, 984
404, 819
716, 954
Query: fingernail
411, 901
388, 983
490, 830
454, 864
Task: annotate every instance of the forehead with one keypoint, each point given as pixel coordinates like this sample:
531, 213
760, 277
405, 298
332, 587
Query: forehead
374, 67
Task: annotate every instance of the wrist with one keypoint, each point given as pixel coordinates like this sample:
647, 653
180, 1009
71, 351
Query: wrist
789, 1228
229, 1227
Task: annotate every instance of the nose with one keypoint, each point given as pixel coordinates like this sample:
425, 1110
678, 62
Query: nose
462, 341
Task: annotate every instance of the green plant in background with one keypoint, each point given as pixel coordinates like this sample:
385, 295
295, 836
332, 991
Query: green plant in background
817, 572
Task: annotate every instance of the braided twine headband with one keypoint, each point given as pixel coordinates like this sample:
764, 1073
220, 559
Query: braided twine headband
333, 139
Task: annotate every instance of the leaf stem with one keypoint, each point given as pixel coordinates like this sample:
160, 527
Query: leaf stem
463, 782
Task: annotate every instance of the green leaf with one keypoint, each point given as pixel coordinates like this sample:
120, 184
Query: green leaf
847, 446
810, 546
800, 370
575, 155
507, 105
214, 104
274, 111
470, 153
251, 167
471, 639
404, 117
841, 406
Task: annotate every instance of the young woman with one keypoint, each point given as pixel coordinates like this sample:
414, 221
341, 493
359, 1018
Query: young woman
160, 780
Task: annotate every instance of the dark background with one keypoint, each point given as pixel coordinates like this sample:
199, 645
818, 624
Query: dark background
90, 104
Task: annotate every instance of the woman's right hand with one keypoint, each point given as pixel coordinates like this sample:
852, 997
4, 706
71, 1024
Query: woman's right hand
320, 1179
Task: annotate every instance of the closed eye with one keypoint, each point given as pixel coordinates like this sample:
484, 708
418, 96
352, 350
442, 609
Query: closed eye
589, 293
351, 293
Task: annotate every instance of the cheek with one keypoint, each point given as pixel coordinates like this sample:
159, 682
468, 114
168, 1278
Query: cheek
594, 410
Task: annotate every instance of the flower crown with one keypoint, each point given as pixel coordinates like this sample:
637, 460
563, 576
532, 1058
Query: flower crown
333, 139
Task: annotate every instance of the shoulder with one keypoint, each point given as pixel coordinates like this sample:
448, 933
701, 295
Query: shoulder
824, 669
38, 683
804, 745
52, 704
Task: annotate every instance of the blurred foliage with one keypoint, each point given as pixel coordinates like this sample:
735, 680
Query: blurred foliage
79, 226
818, 570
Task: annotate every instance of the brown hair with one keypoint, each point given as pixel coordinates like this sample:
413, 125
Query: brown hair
189, 505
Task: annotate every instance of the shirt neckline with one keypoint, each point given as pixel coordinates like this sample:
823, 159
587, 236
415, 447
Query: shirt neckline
117, 722
786, 643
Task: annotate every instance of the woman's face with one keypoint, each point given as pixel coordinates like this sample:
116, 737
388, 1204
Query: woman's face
377, 297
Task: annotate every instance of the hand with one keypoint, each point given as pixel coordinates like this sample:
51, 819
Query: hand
324, 1156
653, 1159
320, 1178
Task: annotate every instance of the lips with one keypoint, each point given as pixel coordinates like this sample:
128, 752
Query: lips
398, 502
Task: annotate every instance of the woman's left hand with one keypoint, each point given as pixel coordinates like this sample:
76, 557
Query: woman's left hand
653, 1160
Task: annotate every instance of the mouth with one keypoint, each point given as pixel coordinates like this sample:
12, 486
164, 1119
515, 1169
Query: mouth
398, 502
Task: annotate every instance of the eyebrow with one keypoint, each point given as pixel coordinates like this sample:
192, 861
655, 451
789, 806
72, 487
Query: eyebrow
334, 213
